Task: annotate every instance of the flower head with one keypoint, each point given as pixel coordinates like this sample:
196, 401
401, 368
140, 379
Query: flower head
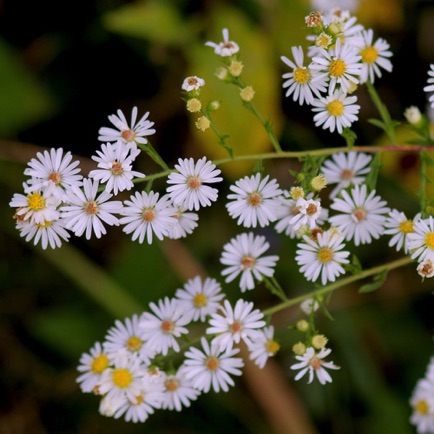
92, 365
263, 347
226, 48
192, 83
420, 242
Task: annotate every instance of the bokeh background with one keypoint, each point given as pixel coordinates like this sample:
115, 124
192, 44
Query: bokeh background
66, 66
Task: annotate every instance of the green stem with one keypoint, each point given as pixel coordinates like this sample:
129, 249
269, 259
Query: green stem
343, 282
150, 150
222, 137
274, 287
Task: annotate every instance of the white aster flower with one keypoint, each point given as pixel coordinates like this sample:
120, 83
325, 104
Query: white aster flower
144, 216
243, 255
212, 367
362, 217
341, 66
335, 111
263, 347
185, 221
53, 172
86, 211
226, 48
92, 365
426, 269
115, 167
200, 298
374, 56
192, 83
189, 190
308, 212
178, 391
400, 227
322, 257
130, 133
429, 88
300, 81
49, 233
254, 201
421, 242
345, 169
164, 325
422, 404
240, 322
314, 363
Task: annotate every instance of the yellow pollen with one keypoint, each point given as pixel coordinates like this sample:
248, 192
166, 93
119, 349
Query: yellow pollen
168, 326
359, 214
35, 201
325, 255
148, 215
200, 300
139, 399
212, 363
55, 177
311, 209
236, 327
369, 54
429, 240
337, 68
247, 262
117, 168
122, 377
91, 208
347, 174
45, 225
99, 364
272, 346
171, 384
301, 75
335, 108
134, 343
194, 182
254, 198
315, 362
406, 227
421, 407
128, 135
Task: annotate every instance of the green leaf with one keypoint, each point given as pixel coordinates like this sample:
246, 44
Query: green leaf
378, 281
378, 123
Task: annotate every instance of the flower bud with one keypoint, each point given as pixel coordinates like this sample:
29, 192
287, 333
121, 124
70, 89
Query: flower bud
299, 348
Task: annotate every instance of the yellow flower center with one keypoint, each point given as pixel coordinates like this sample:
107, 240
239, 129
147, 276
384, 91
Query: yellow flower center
337, 68
200, 300
369, 54
134, 343
421, 407
335, 108
301, 75
406, 227
91, 208
254, 198
429, 240
117, 168
35, 201
99, 364
212, 363
272, 346
122, 377
325, 255
45, 225
139, 399
171, 384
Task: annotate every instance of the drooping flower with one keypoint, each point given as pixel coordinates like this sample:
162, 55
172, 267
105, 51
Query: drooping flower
226, 48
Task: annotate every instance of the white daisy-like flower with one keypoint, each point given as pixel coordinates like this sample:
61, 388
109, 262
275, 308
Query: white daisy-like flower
49, 233
429, 88
86, 211
322, 257
200, 298
189, 189
421, 242
263, 347
53, 172
336, 111
308, 212
92, 365
178, 391
115, 167
127, 336
426, 269
363, 216
341, 66
345, 169
313, 362
300, 81
192, 83
254, 201
162, 327
374, 56
185, 221
144, 215
399, 226
234, 324
242, 255
226, 48
212, 367
35, 207
422, 404
309, 306
131, 133
108, 405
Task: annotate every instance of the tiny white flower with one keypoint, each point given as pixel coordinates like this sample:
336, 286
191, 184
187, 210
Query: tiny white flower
185, 222
254, 201
309, 211
313, 362
413, 115
263, 347
422, 404
400, 227
242, 255
426, 268
225, 48
192, 83
92, 365
189, 189
421, 241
